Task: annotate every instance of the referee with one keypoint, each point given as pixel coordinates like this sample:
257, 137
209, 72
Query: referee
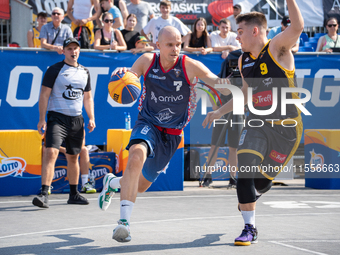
65, 88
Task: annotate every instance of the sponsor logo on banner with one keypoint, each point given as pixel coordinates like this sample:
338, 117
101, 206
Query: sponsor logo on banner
316, 160
263, 98
164, 115
11, 166
278, 157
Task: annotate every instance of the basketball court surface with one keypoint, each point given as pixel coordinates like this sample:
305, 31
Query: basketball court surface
290, 220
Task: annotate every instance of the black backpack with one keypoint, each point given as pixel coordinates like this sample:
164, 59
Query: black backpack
83, 36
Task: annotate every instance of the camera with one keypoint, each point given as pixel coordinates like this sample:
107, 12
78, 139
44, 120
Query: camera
234, 72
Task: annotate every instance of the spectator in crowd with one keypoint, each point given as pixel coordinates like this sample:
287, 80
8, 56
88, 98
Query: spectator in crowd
33, 34
331, 40
53, 34
199, 40
82, 14
237, 9
155, 25
109, 38
121, 5
64, 119
129, 32
224, 40
142, 10
108, 6
276, 30
141, 45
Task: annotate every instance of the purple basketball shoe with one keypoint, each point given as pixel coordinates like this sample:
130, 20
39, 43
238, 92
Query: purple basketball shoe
248, 236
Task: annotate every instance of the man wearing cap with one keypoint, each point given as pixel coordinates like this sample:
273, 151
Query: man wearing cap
53, 34
65, 89
33, 35
276, 30
142, 45
237, 9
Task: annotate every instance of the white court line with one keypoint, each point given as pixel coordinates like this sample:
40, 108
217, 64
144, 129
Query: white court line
297, 248
192, 196
166, 220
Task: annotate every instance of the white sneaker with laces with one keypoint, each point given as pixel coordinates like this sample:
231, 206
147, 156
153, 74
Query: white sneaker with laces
104, 199
122, 232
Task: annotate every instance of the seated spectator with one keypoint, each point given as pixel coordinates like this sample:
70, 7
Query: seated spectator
276, 30
142, 45
33, 34
224, 40
331, 39
53, 34
199, 40
82, 14
156, 24
129, 33
108, 6
109, 38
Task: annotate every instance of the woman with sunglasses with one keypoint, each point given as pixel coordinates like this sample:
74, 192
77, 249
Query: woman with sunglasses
109, 38
331, 39
199, 40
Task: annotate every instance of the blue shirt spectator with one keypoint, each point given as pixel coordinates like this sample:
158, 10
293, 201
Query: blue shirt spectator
108, 6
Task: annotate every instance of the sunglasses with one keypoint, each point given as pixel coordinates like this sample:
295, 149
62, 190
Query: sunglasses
332, 25
56, 13
108, 20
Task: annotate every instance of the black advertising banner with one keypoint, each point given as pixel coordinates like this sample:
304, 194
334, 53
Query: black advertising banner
331, 8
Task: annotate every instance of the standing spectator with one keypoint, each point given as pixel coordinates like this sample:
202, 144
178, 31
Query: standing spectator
237, 9
65, 122
108, 6
331, 39
224, 40
82, 14
33, 34
142, 10
142, 45
276, 30
129, 32
199, 40
155, 25
109, 38
53, 34
121, 5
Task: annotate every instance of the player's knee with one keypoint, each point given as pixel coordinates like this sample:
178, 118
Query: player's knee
262, 185
84, 151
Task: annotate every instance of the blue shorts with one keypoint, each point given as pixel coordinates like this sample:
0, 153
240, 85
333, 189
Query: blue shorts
162, 147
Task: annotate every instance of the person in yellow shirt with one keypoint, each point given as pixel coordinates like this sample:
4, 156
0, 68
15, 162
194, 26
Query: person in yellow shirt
33, 35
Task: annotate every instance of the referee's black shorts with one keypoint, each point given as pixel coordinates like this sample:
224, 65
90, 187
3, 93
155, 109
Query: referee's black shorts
61, 128
234, 132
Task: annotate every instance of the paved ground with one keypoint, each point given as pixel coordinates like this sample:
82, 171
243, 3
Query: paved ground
290, 219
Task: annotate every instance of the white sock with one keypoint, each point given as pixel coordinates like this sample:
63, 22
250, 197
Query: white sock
126, 207
249, 217
84, 179
115, 183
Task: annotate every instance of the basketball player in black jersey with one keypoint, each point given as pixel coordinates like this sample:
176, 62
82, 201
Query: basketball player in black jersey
264, 65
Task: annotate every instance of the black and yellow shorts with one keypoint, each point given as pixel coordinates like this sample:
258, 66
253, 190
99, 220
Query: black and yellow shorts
274, 145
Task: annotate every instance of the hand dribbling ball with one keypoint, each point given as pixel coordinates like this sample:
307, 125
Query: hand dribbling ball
124, 88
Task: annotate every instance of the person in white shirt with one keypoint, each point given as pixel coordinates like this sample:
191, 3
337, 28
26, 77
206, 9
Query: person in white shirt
156, 24
232, 18
224, 40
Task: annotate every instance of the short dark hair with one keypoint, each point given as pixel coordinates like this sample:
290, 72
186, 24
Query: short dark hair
329, 19
165, 3
42, 14
253, 18
105, 14
225, 21
131, 15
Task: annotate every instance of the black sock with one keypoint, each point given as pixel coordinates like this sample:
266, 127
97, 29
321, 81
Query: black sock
73, 190
44, 190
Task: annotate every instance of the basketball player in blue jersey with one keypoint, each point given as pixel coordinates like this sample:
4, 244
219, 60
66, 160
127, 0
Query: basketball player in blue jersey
166, 105
264, 65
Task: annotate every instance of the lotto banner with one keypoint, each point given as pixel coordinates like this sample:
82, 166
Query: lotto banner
20, 162
322, 153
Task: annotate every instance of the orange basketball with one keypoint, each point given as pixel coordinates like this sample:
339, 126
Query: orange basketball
124, 88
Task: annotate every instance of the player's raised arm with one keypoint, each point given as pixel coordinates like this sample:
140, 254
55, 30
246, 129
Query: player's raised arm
287, 39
